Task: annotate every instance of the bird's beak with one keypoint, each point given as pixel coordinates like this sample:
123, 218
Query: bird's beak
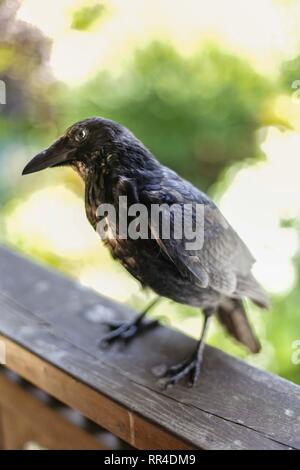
56, 154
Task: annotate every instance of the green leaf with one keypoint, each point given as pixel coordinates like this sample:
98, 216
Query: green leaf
85, 17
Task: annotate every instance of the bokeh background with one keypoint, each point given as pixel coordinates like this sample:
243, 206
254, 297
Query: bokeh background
210, 87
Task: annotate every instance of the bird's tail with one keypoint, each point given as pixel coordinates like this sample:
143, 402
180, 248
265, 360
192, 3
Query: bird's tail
249, 287
231, 313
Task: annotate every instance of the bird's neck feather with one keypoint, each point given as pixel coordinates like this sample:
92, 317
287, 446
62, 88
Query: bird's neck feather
132, 161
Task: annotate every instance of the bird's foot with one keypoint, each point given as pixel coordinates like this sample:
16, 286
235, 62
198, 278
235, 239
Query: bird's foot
126, 330
172, 375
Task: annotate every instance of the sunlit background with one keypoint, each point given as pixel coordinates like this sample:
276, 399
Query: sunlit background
210, 87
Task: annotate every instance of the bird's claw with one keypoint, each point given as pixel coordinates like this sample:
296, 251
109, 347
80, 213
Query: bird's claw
125, 330
172, 375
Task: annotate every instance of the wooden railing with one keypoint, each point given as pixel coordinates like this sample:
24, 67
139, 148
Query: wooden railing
50, 327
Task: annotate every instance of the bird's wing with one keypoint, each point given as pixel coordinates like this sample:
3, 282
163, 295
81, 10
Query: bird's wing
222, 257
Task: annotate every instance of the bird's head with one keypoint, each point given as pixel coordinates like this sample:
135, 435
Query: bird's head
80, 146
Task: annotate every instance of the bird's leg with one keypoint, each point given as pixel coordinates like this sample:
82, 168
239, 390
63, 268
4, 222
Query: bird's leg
190, 366
126, 330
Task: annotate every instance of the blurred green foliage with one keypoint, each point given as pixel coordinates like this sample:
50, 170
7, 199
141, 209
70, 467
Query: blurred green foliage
283, 327
84, 18
197, 114
289, 72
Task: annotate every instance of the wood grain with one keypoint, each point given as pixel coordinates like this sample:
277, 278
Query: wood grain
51, 327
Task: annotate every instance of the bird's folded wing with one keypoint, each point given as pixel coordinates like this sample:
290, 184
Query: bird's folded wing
222, 256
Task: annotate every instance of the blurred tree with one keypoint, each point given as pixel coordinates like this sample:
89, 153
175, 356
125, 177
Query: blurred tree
198, 114
24, 54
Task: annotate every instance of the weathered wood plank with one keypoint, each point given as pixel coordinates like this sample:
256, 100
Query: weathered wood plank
25, 419
101, 409
234, 406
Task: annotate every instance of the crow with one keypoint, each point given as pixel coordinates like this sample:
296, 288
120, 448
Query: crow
215, 277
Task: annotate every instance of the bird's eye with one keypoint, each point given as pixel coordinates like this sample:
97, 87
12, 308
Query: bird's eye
80, 135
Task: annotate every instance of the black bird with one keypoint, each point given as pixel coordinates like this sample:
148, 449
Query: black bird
216, 278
